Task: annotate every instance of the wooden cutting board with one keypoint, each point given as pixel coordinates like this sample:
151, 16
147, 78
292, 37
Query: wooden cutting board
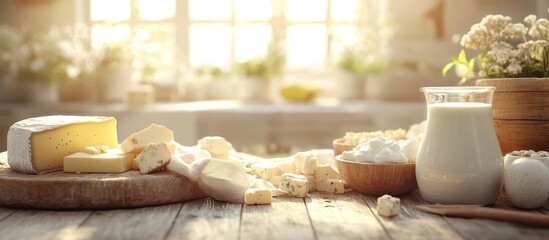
59, 190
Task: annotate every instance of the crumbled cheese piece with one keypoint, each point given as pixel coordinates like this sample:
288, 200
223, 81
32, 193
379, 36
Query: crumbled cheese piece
416, 131
217, 146
296, 185
258, 196
96, 149
335, 186
355, 138
305, 163
383, 150
153, 157
266, 170
388, 206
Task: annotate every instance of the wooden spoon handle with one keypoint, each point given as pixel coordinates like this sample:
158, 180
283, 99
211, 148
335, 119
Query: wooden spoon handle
502, 214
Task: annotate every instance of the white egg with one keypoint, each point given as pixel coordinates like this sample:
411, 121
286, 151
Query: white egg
527, 183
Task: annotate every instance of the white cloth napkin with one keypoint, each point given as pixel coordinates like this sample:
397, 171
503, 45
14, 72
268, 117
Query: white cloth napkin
227, 180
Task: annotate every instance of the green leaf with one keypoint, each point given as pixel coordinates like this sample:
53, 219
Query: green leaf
462, 58
447, 68
471, 65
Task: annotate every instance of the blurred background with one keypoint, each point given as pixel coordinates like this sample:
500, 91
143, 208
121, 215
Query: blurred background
269, 75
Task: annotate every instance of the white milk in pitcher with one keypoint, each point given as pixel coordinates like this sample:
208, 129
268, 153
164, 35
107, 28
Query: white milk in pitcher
459, 161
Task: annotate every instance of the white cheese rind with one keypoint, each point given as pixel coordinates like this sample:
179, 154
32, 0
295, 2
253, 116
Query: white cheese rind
19, 144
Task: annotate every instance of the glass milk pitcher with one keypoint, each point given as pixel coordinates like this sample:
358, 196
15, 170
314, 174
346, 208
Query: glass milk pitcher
459, 159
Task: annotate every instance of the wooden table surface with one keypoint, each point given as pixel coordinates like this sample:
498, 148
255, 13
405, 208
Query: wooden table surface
319, 216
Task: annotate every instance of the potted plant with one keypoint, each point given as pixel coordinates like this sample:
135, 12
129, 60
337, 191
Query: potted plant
219, 82
352, 76
10, 41
258, 72
46, 60
513, 57
112, 71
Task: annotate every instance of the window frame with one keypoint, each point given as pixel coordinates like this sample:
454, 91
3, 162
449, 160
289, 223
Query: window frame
182, 23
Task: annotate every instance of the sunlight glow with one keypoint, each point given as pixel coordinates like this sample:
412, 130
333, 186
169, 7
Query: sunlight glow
306, 46
210, 44
305, 10
210, 9
252, 40
155, 9
253, 10
110, 10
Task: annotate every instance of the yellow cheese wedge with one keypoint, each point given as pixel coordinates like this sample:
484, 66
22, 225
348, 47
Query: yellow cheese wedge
114, 161
154, 133
38, 145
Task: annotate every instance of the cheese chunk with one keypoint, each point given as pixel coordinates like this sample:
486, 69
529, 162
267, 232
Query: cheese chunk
153, 157
305, 163
217, 146
38, 145
295, 185
113, 161
275, 180
335, 186
154, 133
265, 170
258, 196
325, 171
321, 184
388, 206
312, 182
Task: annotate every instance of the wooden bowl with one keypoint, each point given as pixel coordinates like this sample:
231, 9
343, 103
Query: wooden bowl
378, 179
340, 146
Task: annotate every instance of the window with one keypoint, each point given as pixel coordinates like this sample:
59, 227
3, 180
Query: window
194, 33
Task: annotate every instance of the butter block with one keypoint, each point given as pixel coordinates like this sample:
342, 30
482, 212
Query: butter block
113, 161
335, 186
154, 133
296, 185
153, 157
388, 206
258, 196
305, 163
38, 145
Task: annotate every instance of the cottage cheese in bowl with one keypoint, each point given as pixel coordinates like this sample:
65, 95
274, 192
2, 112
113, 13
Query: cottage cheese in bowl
383, 150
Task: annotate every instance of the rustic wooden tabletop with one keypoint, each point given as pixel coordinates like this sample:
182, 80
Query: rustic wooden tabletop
319, 216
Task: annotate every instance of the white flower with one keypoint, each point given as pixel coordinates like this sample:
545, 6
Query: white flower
501, 52
514, 31
539, 29
514, 68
